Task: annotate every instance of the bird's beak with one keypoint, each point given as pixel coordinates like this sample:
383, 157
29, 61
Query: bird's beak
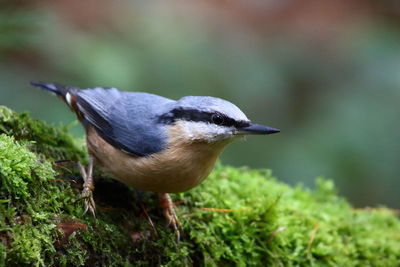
257, 129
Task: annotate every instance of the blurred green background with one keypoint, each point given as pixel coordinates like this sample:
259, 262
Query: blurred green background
327, 73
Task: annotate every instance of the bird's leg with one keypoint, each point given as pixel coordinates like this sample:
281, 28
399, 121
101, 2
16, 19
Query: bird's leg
88, 187
169, 213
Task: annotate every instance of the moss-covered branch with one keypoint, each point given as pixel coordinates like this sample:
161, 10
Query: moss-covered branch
237, 217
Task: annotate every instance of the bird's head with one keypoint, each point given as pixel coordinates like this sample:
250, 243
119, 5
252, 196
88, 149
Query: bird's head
211, 120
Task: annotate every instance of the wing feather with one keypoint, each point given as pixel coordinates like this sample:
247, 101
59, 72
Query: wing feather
126, 120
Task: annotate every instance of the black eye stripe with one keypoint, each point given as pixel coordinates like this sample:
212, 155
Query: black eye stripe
201, 116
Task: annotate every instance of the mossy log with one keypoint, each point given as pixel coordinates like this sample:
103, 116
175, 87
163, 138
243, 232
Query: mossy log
237, 217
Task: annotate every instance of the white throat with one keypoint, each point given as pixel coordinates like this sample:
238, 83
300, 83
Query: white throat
203, 131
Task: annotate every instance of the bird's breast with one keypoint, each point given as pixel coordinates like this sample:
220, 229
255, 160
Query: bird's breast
178, 168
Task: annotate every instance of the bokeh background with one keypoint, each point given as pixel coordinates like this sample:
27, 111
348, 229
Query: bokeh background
327, 73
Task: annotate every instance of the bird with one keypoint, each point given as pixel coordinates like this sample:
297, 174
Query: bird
153, 143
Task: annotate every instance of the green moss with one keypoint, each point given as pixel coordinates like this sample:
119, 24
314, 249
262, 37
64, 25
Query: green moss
267, 221
19, 168
236, 217
53, 142
31, 244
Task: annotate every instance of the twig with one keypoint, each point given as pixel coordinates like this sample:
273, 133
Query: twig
277, 231
220, 210
312, 238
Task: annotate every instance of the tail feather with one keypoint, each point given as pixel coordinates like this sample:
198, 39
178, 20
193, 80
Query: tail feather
66, 93
55, 88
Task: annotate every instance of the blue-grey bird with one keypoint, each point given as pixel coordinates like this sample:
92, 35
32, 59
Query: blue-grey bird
151, 142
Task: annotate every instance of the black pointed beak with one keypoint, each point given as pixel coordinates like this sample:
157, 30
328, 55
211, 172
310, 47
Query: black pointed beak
257, 129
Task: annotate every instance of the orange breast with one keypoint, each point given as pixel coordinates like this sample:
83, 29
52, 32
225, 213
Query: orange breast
180, 167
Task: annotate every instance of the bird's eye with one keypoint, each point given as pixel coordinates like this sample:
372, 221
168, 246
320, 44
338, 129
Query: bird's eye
217, 119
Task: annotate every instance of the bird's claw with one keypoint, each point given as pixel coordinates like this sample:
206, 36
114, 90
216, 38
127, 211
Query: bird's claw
168, 208
90, 205
172, 220
88, 187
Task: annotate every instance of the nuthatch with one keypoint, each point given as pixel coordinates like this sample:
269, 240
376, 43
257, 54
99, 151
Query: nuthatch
151, 142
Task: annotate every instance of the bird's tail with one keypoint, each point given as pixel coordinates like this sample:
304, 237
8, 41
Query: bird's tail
66, 93
58, 89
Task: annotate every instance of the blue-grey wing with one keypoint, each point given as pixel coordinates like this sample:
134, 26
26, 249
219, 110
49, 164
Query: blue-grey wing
126, 120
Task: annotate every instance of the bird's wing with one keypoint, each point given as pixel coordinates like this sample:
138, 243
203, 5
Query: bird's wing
126, 120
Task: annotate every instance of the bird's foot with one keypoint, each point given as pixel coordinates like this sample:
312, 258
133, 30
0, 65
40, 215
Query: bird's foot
168, 208
88, 187
87, 195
